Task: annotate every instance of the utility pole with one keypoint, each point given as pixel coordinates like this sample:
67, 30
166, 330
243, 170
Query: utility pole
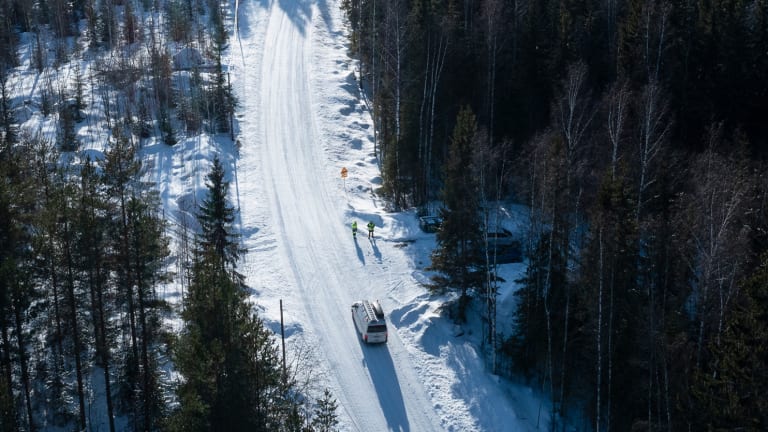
282, 336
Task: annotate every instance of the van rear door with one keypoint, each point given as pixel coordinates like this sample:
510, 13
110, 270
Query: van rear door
376, 333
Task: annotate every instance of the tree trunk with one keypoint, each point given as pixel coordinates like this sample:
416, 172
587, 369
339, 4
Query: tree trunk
600, 271
548, 314
653, 132
73, 321
422, 127
8, 376
106, 359
126, 257
437, 70
609, 350
23, 364
98, 312
55, 286
147, 387
434, 67
617, 106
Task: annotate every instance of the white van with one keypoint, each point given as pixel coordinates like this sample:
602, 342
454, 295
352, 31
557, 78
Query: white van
369, 320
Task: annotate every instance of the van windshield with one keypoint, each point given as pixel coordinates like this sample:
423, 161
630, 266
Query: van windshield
378, 328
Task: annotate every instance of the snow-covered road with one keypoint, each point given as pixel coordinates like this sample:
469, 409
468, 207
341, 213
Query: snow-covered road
295, 223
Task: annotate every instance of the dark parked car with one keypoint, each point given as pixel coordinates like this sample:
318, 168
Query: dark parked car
504, 247
430, 224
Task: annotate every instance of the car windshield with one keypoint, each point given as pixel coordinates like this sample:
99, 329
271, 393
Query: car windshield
378, 328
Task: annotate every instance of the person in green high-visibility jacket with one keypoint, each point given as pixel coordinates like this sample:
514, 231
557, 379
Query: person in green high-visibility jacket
354, 229
370, 229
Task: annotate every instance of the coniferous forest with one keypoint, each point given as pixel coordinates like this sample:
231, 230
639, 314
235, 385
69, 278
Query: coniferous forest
85, 335
636, 133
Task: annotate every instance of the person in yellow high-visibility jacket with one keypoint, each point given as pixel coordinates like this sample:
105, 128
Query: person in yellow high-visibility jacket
354, 229
370, 229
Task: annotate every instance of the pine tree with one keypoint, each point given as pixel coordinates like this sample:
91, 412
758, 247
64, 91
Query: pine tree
14, 292
49, 195
120, 170
140, 248
149, 248
93, 245
73, 293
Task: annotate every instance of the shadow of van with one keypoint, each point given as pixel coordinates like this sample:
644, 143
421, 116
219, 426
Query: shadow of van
382, 369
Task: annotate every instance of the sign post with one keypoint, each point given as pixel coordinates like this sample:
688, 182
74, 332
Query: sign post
344, 177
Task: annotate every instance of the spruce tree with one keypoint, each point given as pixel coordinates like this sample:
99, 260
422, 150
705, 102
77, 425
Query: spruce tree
459, 241
66, 134
149, 249
7, 122
216, 217
730, 394
231, 368
325, 413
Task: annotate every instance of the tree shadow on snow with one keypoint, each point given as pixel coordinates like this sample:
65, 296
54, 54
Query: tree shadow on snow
299, 12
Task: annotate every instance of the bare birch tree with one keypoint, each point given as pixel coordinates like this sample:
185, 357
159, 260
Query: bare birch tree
616, 118
574, 113
395, 48
437, 50
491, 166
654, 128
718, 234
492, 14
656, 19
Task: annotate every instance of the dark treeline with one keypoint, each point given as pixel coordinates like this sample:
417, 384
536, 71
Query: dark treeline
84, 333
635, 132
